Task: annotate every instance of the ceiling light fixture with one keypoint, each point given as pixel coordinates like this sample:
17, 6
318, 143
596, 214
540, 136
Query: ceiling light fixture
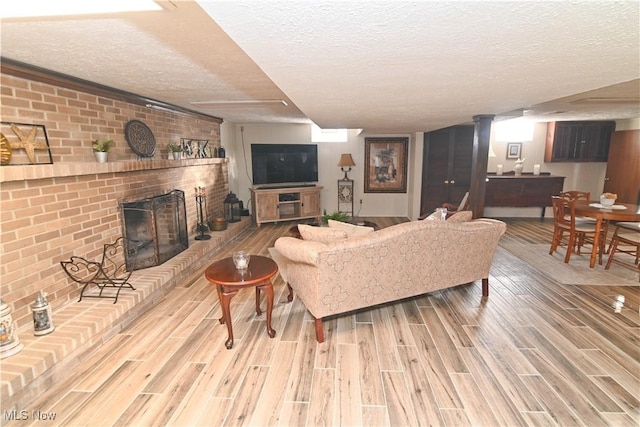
40, 8
241, 103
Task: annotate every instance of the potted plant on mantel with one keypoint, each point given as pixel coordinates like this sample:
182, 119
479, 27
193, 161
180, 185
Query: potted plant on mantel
101, 148
176, 150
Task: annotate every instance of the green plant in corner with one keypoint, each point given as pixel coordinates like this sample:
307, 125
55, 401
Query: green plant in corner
336, 216
102, 145
174, 147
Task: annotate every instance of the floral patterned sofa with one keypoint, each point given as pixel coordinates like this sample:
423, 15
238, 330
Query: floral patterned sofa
336, 273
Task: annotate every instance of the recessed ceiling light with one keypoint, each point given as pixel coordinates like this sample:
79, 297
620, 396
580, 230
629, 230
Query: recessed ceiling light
39, 8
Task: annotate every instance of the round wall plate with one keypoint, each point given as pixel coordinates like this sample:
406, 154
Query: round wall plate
140, 138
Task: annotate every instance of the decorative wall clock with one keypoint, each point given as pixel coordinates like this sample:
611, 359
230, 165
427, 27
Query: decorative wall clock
140, 138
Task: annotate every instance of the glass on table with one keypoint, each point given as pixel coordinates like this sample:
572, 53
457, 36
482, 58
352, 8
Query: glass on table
241, 260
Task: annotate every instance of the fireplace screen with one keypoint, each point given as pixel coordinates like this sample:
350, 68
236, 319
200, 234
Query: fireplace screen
156, 227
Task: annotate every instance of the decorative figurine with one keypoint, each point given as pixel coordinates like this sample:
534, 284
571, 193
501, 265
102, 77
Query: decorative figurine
9, 342
42, 320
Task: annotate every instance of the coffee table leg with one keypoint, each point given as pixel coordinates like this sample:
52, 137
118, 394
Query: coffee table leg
219, 290
225, 300
258, 311
267, 287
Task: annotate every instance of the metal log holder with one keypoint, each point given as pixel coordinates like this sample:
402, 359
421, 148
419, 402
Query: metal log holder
110, 273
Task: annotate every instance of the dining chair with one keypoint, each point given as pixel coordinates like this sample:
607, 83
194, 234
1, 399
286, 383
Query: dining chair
625, 239
577, 195
577, 233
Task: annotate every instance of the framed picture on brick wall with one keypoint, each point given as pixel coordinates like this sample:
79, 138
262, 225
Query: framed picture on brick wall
24, 144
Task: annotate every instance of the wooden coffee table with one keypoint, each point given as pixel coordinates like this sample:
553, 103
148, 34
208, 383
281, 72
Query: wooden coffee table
229, 281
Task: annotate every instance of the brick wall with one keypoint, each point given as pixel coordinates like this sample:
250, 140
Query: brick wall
56, 214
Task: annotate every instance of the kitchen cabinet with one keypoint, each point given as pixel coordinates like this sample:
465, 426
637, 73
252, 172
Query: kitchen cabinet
585, 141
446, 167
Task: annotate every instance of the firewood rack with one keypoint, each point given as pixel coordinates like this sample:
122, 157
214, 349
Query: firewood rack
108, 274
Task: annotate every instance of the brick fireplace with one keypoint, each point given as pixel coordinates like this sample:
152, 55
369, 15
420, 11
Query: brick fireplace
154, 229
71, 207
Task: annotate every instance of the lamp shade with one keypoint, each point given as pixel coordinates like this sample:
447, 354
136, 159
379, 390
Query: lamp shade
346, 160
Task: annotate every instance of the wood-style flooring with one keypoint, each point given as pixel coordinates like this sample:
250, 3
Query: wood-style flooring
535, 353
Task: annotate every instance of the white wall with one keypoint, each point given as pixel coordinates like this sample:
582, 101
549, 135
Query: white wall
237, 143
237, 140
578, 176
587, 176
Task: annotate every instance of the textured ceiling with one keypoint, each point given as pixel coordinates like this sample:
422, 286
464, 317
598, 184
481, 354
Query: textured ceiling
388, 66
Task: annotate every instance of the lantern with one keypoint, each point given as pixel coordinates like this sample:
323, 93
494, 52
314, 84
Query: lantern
232, 208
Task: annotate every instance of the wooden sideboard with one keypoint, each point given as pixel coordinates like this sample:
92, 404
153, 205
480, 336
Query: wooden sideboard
526, 190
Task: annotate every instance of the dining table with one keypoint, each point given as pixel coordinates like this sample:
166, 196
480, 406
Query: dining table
602, 214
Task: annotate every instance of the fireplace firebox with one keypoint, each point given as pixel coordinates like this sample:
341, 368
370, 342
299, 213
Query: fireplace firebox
155, 228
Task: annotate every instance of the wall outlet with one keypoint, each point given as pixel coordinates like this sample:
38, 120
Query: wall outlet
360, 201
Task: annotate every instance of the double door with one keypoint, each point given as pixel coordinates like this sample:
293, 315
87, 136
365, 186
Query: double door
446, 167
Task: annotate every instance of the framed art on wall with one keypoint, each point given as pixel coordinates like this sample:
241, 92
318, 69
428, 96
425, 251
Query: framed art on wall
514, 150
386, 165
24, 144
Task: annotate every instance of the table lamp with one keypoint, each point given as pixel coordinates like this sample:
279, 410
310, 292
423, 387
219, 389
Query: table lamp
346, 160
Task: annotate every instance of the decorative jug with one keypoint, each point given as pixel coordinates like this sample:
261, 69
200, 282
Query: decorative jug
519, 166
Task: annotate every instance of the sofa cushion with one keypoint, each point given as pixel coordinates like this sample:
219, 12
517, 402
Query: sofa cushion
461, 216
352, 230
321, 234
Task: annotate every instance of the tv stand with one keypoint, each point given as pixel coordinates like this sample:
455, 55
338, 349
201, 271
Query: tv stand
285, 204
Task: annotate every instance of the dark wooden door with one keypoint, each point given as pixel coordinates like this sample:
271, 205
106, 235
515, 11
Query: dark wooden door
446, 167
623, 166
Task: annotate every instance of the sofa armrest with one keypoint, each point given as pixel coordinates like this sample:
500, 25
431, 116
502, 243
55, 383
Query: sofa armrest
297, 250
500, 224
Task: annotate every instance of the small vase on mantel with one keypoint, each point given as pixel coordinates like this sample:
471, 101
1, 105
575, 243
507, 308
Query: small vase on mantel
102, 156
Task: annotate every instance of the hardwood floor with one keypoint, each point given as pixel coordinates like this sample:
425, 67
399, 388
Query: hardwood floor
533, 353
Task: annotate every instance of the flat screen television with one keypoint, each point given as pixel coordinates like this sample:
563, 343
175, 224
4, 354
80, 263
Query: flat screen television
284, 164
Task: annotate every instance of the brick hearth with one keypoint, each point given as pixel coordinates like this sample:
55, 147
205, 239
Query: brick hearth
82, 327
